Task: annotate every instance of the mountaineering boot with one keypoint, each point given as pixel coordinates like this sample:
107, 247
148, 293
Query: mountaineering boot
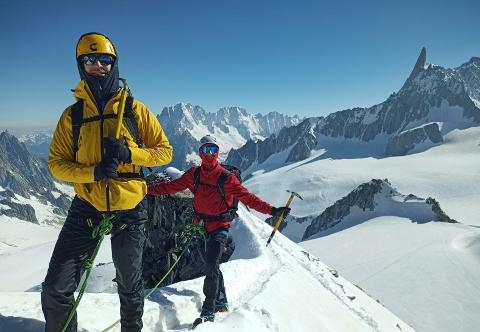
205, 316
221, 306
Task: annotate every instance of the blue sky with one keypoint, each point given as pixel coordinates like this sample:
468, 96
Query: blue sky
308, 58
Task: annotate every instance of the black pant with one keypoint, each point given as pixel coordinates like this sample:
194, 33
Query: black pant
218, 243
75, 245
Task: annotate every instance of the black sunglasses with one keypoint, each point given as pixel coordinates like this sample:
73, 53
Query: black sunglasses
104, 59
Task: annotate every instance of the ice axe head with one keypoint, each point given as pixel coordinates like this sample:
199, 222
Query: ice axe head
293, 193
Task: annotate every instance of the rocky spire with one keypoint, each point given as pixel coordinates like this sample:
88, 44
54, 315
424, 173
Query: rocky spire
419, 66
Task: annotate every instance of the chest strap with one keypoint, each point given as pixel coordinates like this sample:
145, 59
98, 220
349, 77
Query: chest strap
229, 216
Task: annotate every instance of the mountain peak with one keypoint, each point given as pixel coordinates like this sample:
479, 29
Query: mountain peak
419, 65
5, 135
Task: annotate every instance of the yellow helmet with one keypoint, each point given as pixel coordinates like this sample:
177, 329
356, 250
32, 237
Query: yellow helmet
94, 42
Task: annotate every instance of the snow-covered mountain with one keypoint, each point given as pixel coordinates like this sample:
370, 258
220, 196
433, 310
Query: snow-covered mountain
432, 102
370, 200
26, 184
185, 124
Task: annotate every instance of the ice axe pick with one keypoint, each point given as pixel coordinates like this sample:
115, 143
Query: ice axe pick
282, 215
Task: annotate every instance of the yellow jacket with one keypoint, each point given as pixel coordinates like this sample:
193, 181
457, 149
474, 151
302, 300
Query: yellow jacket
125, 193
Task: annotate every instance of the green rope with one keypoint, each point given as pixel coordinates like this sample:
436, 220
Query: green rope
102, 229
190, 232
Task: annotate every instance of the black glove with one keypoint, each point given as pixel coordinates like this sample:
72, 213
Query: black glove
277, 211
107, 169
115, 149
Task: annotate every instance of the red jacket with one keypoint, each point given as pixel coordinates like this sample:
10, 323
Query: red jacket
206, 199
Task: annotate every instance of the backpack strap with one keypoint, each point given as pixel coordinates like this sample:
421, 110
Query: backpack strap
130, 121
76, 113
196, 179
220, 183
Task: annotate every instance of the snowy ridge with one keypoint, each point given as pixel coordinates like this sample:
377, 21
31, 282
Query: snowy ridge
267, 287
368, 201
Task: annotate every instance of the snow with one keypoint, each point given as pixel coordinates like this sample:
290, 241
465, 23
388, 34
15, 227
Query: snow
63, 188
424, 274
267, 287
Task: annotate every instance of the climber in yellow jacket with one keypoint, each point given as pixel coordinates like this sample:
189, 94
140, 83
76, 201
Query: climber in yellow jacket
107, 177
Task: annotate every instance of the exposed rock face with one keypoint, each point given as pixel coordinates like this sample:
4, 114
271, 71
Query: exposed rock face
20, 211
399, 145
168, 232
28, 176
300, 138
441, 215
168, 216
378, 198
363, 197
419, 65
303, 148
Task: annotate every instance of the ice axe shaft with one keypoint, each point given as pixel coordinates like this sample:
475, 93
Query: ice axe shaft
282, 215
121, 111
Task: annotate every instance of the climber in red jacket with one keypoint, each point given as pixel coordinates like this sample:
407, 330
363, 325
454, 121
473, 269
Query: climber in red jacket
214, 212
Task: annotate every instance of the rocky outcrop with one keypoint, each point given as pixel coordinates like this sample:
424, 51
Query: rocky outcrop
362, 197
25, 175
373, 199
441, 215
16, 210
170, 235
300, 139
401, 144
167, 218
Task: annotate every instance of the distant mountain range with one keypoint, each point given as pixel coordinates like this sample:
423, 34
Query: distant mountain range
433, 101
185, 124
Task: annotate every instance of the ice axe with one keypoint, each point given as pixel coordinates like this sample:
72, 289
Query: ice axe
121, 106
121, 111
282, 215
